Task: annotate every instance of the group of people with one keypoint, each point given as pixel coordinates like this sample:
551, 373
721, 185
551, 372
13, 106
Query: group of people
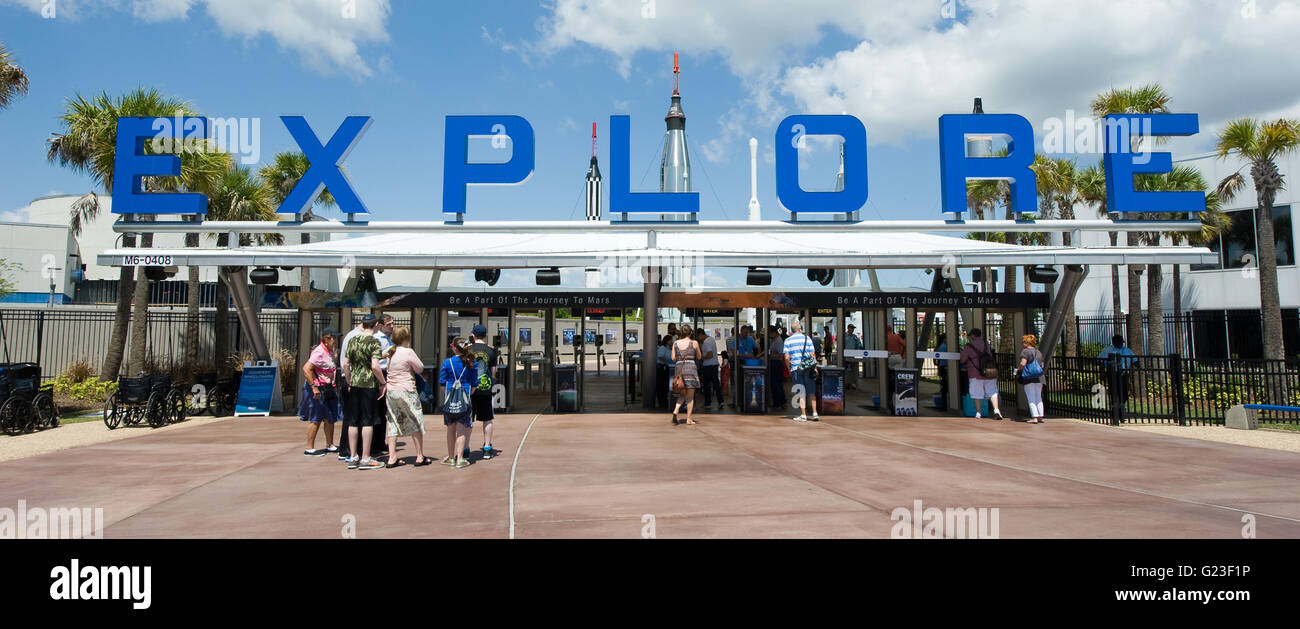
688, 361
371, 382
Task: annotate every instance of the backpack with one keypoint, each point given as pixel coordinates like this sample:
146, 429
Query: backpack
484, 383
456, 404
988, 363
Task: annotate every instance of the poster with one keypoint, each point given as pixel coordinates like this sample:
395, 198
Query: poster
526, 336
569, 334
589, 337
904, 391
630, 338
832, 398
259, 390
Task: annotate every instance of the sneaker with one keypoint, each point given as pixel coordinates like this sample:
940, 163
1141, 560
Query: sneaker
465, 454
815, 418
316, 452
977, 416
448, 461
462, 464
370, 464
801, 418
353, 462
332, 449
997, 415
487, 452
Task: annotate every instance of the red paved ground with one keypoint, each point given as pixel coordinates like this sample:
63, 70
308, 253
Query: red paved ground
731, 476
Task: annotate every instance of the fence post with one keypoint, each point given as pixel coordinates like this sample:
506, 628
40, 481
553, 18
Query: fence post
1116, 392
1176, 381
40, 333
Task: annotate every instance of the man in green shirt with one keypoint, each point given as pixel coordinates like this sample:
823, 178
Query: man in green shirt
367, 386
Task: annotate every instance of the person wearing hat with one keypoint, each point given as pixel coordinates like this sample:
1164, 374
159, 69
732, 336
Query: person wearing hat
321, 403
485, 361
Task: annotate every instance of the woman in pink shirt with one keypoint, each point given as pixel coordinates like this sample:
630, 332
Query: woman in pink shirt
405, 414
321, 402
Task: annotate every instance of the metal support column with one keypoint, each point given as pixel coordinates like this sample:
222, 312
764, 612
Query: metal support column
649, 335
1066, 289
882, 364
954, 367
841, 333
1018, 325
909, 325
512, 355
237, 282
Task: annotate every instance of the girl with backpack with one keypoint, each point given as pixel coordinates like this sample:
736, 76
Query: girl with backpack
458, 377
1031, 375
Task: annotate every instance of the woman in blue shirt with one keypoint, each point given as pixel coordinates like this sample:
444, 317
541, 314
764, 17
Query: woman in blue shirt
458, 368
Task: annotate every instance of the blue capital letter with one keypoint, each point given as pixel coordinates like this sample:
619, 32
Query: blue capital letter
131, 164
457, 171
621, 197
955, 167
790, 137
326, 165
1121, 163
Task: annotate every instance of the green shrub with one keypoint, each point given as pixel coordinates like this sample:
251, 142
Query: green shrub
88, 390
1091, 350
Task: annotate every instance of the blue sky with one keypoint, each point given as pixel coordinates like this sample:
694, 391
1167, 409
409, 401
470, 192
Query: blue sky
563, 64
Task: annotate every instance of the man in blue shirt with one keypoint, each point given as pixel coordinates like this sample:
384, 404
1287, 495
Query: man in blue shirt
798, 350
1118, 359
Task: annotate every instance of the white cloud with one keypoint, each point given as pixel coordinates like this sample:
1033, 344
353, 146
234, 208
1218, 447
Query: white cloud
908, 64
326, 34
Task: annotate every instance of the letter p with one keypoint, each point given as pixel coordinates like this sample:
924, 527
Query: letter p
459, 173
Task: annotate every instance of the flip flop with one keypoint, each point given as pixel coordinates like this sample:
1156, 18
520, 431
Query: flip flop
423, 463
399, 463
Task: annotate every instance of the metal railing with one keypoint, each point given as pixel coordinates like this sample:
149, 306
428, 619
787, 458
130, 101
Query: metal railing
1170, 389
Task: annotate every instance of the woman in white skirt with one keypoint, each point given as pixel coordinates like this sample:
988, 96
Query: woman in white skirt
405, 415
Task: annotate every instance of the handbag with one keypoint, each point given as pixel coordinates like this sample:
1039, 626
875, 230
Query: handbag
327, 392
1033, 369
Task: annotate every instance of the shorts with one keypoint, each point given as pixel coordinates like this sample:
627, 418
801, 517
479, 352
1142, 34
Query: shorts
467, 420
806, 378
363, 408
482, 403
981, 388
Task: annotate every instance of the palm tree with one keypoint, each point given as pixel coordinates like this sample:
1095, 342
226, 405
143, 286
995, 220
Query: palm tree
1147, 99
281, 175
1058, 194
1180, 179
87, 144
13, 80
239, 195
1261, 144
982, 198
1091, 184
1214, 221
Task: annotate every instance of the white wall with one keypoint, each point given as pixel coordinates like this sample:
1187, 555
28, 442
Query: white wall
32, 246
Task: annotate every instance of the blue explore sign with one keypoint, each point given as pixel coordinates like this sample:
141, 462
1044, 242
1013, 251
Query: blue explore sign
956, 167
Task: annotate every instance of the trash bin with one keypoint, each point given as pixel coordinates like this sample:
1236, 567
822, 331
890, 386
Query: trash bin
753, 387
565, 396
830, 398
431, 377
902, 390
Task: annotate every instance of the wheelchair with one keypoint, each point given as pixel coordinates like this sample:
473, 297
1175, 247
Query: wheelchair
145, 399
209, 395
25, 404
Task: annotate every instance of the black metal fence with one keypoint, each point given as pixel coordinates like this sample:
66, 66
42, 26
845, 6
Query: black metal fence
1169, 389
56, 338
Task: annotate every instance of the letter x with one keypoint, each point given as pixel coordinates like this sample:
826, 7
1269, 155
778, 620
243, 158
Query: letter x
326, 170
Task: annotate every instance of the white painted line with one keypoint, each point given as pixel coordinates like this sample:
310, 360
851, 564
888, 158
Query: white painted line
514, 466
